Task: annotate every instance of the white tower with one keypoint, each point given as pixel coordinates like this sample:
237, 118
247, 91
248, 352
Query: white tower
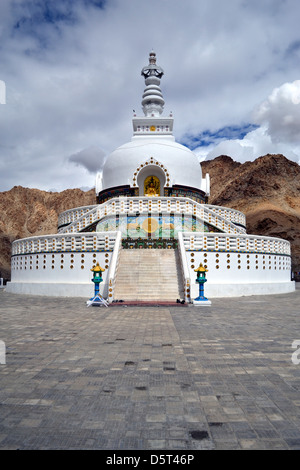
153, 104
152, 151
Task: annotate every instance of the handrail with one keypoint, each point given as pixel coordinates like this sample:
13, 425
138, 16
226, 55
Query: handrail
205, 241
184, 267
67, 216
234, 215
113, 268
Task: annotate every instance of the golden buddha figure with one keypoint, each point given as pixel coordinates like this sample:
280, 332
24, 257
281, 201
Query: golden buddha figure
151, 186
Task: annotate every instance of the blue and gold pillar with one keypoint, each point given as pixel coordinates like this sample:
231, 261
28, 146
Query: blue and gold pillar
97, 279
201, 300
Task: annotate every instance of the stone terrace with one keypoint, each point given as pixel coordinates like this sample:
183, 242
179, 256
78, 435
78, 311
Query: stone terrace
151, 377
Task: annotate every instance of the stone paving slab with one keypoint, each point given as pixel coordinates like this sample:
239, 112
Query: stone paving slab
150, 377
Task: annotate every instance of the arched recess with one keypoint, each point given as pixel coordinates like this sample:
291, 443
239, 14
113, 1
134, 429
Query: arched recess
147, 172
148, 169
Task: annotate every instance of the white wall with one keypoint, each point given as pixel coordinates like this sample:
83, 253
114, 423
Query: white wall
238, 274
60, 270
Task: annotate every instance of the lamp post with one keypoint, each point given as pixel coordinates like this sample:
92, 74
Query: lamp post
97, 279
201, 279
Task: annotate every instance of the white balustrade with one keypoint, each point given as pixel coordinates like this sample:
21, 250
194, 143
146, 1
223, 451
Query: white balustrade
222, 218
71, 215
76, 242
238, 243
227, 213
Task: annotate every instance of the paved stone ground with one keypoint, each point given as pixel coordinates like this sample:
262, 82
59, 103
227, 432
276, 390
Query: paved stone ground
145, 378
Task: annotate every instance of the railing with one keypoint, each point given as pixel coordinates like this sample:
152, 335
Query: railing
184, 268
106, 241
69, 216
132, 205
229, 214
65, 242
237, 243
113, 268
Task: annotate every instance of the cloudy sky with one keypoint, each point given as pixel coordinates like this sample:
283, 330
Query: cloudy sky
70, 79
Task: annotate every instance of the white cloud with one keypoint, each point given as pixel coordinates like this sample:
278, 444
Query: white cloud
280, 112
72, 77
279, 133
91, 158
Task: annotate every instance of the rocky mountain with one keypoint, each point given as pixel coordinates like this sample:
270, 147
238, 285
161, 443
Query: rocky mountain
267, 190
26, 212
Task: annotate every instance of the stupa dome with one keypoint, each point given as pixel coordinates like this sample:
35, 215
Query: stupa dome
165, 156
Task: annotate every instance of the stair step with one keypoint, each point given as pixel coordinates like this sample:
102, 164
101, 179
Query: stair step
145, 274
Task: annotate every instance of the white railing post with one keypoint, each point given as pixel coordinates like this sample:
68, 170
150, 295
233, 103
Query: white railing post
184, 267
113, 268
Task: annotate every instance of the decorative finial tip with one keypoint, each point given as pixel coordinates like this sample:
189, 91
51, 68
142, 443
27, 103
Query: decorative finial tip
152, 68
152, 57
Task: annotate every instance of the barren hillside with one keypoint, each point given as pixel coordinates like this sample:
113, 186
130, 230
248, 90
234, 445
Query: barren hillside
266, 190
25, 212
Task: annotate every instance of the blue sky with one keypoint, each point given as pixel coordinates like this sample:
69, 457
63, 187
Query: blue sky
208, 137
71, 70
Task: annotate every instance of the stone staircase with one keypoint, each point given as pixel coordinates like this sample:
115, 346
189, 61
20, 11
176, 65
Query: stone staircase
149, 275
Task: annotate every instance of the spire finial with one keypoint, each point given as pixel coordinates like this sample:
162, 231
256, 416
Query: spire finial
152, 68
153, 101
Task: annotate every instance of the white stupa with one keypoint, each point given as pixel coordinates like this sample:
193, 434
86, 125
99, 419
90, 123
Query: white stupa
153, 146
151, 228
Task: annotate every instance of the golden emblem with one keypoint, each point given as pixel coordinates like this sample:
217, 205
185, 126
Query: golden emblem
150, 225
